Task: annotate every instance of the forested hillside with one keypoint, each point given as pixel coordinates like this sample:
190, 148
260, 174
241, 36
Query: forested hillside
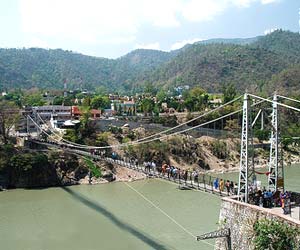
261, 63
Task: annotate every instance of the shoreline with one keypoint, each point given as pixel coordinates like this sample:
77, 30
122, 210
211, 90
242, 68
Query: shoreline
129, 175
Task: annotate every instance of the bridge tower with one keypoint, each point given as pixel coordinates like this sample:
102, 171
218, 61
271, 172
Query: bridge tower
275, 177
246, 175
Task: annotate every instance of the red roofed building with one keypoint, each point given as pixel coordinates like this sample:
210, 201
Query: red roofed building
76, 113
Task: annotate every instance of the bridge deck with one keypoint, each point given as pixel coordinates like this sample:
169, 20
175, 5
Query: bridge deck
204, 181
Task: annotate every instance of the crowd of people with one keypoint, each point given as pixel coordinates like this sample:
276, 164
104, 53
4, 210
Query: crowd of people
225, 185
268, 199
171, 172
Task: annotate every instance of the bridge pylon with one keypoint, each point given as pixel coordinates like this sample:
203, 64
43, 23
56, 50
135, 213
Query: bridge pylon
246, 173
275, 177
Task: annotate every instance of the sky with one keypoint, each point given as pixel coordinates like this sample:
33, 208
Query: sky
113, 28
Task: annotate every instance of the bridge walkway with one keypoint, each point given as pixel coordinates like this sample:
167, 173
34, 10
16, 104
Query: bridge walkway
202, 181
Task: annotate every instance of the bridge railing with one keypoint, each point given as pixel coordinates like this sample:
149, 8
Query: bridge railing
192, 180
184, 179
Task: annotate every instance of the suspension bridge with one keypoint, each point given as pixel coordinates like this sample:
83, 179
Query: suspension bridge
251, 105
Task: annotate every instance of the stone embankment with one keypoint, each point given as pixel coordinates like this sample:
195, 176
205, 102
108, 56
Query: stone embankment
240, 217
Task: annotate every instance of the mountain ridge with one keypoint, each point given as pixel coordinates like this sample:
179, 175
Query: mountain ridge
210, 64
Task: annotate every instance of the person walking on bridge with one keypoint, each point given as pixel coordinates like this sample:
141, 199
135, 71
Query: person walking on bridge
221, 187
185, 176
216, 183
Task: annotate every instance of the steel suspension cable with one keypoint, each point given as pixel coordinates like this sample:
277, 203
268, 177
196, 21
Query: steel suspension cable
278, 103
154, 135
162, 137
288, 98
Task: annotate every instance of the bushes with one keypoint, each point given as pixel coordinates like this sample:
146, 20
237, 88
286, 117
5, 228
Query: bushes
219, 149
28, 161
95, 171
272, 234
262, 134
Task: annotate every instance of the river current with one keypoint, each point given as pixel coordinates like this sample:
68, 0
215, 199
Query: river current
147, 214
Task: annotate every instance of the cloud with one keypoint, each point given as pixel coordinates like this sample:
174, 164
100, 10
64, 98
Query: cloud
94, 20
198, 11
160, 13
88, 20
155, 46
269, 1
180, 44
269, 31
98, 22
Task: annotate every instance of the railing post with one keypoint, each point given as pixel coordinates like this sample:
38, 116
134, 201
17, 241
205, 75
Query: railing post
179, 177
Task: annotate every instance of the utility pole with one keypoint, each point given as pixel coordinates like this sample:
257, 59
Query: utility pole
246, 166
27, 125
275, 178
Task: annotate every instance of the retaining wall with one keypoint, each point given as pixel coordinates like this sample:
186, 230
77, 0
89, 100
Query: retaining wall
240, 218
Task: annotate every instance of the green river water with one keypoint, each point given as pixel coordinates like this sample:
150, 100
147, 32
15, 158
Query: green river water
291, 175
148, 214
110, 216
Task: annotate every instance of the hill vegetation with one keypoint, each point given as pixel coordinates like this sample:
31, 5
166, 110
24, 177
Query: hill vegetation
258, 64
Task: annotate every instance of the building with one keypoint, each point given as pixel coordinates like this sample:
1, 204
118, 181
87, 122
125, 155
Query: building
58, 112
41, 114
124, 107
76, 113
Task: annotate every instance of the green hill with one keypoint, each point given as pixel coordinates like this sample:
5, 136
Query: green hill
253, 63
249, 66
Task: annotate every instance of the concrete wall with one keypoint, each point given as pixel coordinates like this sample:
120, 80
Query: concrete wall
240, 218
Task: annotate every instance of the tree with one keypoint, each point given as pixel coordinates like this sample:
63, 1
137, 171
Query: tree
149, 88
15, 96
86, 101
71, 135
9, 116
34, 99
101, 90
195, 99
87, 127
100, 102
229, 92
161, 95
58, 100
273, 234
147, 106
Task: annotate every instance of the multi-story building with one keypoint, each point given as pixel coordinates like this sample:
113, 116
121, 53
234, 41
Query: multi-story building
41, 114
57, 112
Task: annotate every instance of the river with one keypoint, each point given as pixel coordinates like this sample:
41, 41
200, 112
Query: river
147, 214
291, 175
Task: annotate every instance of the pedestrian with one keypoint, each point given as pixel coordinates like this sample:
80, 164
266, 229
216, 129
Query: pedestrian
195, 175
227, 184
221, 186
216, 183
185, 176
231, 186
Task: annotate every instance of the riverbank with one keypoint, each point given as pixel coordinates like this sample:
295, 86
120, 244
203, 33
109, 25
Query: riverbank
121, 174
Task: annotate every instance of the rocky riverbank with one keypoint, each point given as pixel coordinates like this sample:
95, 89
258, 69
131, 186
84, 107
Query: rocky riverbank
31, 169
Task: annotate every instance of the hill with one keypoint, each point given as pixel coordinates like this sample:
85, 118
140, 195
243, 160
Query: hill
26, 68
247, 63
284, 43
215, 65
249, 66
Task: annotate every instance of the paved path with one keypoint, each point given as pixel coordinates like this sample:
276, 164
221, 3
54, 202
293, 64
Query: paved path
295, 212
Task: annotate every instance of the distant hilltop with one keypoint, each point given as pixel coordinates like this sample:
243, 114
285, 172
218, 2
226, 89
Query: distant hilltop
262, 63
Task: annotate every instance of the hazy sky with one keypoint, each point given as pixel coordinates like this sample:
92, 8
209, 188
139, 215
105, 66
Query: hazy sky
112, 28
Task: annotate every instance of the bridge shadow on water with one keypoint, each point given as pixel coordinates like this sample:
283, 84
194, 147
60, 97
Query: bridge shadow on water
126, 227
